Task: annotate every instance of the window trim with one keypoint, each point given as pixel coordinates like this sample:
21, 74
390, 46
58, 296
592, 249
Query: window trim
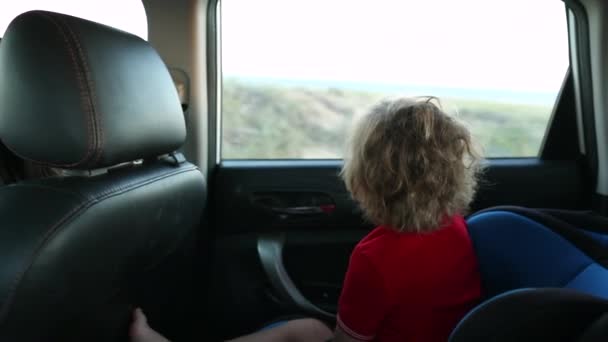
580, 61
214, 84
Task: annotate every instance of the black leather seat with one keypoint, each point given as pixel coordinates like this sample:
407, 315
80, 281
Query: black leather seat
75, 250
541, 314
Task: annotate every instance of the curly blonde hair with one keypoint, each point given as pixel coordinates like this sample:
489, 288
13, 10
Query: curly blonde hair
409, 165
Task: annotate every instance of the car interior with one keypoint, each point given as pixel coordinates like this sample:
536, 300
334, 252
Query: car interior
184, 157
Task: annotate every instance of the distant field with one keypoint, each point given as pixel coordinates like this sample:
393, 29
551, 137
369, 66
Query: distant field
275, 121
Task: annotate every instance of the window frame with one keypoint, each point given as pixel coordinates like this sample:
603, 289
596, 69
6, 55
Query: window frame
546, 148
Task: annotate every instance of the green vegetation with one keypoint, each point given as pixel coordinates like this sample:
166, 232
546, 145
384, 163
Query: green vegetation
278, 121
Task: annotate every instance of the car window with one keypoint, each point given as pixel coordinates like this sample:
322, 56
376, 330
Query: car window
295, 73
127, 15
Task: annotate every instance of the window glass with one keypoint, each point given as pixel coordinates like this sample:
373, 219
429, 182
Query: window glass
296, 73
127, 15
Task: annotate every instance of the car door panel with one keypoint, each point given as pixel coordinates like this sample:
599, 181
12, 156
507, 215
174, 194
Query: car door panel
273, 260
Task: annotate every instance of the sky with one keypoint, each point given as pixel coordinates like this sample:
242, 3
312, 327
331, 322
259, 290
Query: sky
127, 15
493, 44
517, 45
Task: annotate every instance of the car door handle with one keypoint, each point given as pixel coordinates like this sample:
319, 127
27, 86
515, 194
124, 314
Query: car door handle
294, 203
306, 210
270, 252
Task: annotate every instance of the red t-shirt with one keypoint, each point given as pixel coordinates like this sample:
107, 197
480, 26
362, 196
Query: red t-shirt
409, 286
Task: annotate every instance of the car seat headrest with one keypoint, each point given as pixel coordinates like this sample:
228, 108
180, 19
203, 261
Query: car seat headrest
75, 94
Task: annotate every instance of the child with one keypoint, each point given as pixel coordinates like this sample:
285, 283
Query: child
413, 169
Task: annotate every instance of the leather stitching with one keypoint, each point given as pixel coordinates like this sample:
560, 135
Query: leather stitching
85, 99
73, 214
99, 144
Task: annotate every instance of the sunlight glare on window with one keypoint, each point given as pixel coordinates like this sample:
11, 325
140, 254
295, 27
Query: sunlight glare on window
295, 73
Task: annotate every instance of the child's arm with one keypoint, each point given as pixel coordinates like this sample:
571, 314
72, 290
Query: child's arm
364, 300
341, 336
297, 330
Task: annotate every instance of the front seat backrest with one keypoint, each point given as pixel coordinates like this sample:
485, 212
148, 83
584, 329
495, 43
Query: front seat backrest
100, 104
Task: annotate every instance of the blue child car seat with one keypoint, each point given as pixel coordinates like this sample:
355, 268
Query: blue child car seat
544, 275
